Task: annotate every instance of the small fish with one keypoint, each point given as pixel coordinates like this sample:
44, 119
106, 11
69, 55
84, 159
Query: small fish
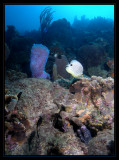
75, 68
45, 30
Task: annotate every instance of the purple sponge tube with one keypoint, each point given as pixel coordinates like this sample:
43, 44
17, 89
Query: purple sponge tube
39, 56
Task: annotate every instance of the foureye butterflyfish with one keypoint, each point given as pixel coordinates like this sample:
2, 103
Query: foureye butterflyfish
75, 68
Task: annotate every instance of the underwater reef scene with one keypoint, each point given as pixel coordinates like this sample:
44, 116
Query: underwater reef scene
59, 88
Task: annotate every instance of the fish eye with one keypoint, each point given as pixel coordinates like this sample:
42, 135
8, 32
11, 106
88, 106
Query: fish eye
71, 65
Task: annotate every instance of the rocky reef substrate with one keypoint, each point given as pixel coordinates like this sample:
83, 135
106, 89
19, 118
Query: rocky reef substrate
44, 118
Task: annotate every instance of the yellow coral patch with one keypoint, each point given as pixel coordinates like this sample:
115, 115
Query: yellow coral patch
85, 116
62, 149
68, 108
68, 124
107, 116
113, 91
80, 111
113, 74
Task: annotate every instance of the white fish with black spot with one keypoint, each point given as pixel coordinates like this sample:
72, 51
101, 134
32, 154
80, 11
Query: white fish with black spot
75, 68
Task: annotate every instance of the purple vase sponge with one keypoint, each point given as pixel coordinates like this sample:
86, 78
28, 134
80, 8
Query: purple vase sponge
39, 56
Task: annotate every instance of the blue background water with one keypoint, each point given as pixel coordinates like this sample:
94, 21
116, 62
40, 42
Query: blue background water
26, 17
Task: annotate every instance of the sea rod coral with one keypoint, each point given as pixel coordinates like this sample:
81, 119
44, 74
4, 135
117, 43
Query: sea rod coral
45, 20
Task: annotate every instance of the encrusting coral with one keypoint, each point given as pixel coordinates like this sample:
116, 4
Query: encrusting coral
97, 97
103, 143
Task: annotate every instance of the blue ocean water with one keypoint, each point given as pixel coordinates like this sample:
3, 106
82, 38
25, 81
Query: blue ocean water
26, 17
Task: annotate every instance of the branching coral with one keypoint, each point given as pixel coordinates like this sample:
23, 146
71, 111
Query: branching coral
45, 19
